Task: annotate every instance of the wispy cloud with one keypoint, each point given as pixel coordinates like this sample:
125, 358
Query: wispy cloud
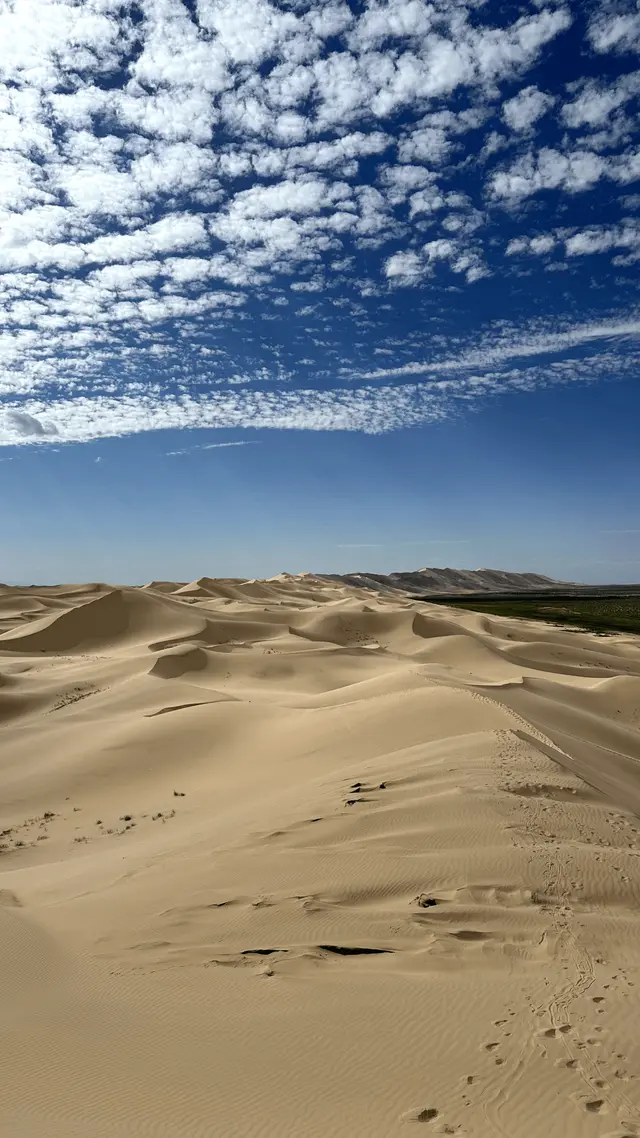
395, 544
211, 446
501, 345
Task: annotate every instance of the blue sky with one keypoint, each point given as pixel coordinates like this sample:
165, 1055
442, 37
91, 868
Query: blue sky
318, 286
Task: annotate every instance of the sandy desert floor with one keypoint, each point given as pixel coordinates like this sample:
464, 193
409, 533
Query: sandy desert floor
292, 860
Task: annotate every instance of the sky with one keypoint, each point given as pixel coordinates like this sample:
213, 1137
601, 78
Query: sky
324, 285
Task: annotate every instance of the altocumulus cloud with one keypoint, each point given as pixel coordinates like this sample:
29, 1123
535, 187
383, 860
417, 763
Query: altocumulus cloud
224, 213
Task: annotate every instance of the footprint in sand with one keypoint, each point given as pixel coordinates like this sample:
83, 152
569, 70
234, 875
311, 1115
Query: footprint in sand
592, 1106
420, 1114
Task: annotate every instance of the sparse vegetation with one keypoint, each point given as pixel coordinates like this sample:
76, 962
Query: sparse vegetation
600, 614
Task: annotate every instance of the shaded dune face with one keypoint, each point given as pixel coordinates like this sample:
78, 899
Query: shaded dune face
306, 857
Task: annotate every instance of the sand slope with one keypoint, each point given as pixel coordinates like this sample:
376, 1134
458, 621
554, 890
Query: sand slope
295, 858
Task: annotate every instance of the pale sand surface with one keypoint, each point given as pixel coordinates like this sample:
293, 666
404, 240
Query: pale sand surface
341, 759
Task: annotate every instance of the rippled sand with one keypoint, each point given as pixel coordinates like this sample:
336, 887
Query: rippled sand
298, 860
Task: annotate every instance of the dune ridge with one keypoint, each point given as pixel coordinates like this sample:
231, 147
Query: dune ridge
307, 857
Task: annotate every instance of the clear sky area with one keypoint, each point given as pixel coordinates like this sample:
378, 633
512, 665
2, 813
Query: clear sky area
318, 286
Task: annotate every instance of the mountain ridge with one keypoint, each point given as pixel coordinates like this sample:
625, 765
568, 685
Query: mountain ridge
434, 580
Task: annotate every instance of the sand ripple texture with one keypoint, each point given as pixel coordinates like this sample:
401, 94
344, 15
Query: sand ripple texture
296, 859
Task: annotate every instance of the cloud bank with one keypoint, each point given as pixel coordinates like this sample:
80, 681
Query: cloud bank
230, 213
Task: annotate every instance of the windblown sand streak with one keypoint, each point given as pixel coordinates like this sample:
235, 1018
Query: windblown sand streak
296, 859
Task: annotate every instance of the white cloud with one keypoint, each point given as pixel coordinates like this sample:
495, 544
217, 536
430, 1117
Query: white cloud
408, 268
40, 38
96, 190
302, 196
169, 234
175, 54
539, 245
502, 345
500, 53
469, 377
440, 250
399, 181
429, 200
525, 108
427, 144
123, 277
335, 152
23, 425
210, 446
368, 410
381, 22
173, 168
613, 29
600, 239
169, 176
248, 31
404, 268
179, 114
549, 169
595, 101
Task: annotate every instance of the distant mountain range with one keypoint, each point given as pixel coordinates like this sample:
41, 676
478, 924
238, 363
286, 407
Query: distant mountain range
449, 581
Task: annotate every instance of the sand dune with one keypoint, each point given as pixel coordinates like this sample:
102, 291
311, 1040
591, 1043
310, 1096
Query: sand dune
300, 857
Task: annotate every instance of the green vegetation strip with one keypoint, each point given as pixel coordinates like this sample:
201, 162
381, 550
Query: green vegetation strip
595, 614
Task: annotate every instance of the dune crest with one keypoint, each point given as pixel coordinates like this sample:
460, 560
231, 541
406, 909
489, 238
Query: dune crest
307, 857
